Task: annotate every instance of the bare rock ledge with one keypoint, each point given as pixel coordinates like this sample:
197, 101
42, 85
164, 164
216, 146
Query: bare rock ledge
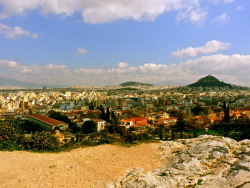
202, 162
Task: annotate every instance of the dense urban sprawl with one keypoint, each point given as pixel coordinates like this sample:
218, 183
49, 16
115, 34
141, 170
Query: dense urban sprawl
126, 114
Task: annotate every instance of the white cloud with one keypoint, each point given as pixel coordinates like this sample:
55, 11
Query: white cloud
221, 18
54, 67
122, 65
9, 66
16, 32
195, 16
99, 11
210, 47
81, 51
228, 68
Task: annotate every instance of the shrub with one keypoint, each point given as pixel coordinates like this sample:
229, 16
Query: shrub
162, 174
199, 182
43, 141
89, 142
106, 140
131, 138
10, 137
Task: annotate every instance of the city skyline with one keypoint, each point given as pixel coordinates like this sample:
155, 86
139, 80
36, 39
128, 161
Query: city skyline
75, 42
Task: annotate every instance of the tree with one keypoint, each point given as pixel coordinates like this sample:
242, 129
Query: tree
196, 110
239, 129
108, 115
59, 116
114, 123
180, 124
160, 131
89, 127
93, 114
65, 119
80, 113
44, 141
224, 106
31, 127
226, 115
11, 137
103, 115
91, 106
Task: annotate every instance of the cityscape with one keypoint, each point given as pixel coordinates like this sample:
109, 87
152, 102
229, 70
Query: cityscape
131, 107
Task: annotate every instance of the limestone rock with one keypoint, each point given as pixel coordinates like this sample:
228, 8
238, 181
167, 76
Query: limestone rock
202, 162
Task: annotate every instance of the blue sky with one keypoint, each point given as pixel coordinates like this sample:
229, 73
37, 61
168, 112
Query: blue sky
106, 42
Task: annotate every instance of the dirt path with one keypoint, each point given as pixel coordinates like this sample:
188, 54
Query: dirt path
84, 167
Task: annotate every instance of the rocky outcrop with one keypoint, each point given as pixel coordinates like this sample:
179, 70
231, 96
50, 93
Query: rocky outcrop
202, 162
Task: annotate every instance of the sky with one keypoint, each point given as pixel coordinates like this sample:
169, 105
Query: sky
108, 42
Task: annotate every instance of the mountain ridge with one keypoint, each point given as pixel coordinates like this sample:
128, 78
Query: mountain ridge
133, 83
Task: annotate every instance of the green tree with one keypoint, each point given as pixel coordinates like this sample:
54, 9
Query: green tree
196, 110
226, 118
59, 116
30, 127
93, 114
44, 141
91, 106
113, 128
224, 106
160, 131
11, 137
103, 115
89, 127
65, 119
108, 115
238, 129
180, 125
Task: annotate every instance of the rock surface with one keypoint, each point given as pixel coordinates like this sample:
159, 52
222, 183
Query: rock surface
203, 162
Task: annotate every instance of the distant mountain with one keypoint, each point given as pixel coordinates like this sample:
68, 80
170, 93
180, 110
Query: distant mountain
11, 83
131, 83
210, 81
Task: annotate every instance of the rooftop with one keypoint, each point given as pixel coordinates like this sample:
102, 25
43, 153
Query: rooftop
47, 120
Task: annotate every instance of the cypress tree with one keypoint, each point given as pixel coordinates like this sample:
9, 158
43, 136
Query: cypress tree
224, 106
103, 115
108, 115
226, 115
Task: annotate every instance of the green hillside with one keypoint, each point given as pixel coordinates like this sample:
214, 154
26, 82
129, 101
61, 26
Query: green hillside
209, 81
131, 83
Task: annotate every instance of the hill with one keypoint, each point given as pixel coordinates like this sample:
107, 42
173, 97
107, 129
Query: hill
209, 81
131, 83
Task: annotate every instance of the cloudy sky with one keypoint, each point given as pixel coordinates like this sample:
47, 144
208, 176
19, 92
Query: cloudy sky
107, 42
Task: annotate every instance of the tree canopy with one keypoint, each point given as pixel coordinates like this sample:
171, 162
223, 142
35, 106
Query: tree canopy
89, 127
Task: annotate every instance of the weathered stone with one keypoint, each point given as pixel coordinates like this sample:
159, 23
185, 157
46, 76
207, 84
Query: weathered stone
206, 161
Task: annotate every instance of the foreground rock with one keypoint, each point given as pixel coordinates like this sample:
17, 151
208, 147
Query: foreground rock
206, 161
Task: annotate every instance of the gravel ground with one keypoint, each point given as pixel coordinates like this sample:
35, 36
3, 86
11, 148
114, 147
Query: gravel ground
83, 167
